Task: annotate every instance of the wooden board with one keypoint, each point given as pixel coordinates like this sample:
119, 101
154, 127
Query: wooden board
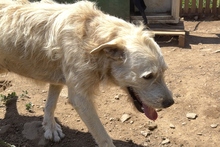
174, 33
166, 26
171, 30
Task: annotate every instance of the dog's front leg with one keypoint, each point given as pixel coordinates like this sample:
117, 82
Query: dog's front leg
53, 130
84, 107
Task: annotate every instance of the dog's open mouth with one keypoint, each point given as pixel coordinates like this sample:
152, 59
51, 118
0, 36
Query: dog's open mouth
147, 110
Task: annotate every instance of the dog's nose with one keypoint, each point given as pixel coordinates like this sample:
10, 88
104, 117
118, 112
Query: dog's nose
167, 103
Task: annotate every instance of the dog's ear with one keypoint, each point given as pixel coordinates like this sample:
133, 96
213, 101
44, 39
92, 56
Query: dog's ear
112, 49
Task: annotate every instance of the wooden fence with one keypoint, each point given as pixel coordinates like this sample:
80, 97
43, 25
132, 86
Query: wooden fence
199, 7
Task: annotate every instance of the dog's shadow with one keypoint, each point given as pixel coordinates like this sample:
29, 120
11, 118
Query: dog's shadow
14, 127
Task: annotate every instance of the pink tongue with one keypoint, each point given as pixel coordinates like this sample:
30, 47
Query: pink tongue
150, 112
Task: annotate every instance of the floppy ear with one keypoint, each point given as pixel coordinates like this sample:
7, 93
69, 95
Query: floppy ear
112, 49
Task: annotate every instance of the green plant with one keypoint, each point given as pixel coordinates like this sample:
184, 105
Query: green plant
5, 144
29, 106
5, 99
24, 94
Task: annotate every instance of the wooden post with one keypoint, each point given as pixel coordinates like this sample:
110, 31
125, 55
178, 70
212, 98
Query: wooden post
181, 40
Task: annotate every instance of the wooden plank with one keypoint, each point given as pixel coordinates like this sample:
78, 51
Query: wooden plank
193, 8
179, 25
181, 36
181, 40
169, 29
207, 7
214, 7
186, 6
168, 32
200, 9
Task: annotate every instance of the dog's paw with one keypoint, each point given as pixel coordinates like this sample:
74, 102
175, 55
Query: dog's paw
54, 133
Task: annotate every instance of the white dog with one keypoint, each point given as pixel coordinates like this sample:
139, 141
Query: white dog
79, 46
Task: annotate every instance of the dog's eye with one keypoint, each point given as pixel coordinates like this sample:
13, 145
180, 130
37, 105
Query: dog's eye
148, 76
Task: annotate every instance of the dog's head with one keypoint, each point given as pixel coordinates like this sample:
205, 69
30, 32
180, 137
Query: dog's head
138, 66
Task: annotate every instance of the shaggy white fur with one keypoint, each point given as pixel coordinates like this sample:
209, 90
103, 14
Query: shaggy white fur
79, 46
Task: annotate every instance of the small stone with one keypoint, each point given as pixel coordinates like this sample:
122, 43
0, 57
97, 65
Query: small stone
64, 94
200, 134
214, 125
177, 95
184, 123
117, 97
166, 141
191, 115
145, 144
111, 119
125, 117
152, 125
172, 126
131, 122
44, 91
145, 133
217, 51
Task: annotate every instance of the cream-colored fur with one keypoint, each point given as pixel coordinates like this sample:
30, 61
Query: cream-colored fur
79, 46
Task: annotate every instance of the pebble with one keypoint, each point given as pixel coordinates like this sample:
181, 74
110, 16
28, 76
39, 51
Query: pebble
183, 123
172, 126
125, 117
145, 144
217, 51
44, 91
166, 141
64, 94
177, 95
131, 122
145, 133
111, 119
214, 125
118, 96
199, 134
151, 125
191, 115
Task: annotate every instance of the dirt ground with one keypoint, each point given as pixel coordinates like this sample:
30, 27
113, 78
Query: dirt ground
193, 76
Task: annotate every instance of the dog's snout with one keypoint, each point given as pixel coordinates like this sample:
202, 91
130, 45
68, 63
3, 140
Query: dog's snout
167, 103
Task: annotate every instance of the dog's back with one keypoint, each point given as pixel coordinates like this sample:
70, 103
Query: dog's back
32, 34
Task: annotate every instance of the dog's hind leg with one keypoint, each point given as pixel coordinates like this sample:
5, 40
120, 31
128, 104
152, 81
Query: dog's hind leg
84, 106
53, 130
